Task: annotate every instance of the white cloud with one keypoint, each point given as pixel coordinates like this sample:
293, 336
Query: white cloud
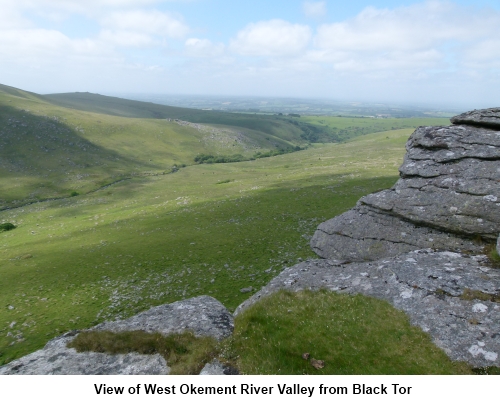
484, 54
314, 9
121, 38
407, 40
271, 38
409, 28
203, 48
146, 22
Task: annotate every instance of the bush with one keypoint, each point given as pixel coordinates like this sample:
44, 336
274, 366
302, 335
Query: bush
7, 226
74, 193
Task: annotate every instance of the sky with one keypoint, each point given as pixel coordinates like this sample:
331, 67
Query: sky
435, 52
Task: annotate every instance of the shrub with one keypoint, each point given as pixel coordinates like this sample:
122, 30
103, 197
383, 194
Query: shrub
7, 226
74, 193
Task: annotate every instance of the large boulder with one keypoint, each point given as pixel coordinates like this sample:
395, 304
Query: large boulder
447, 197
57, 358
204, 316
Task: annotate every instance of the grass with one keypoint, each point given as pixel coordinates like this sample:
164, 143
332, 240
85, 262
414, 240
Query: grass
139, 233
344, 331
493, 255
185, 353
75, 262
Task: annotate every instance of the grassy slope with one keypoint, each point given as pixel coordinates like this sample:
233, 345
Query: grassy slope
280, 131
146, 241
49, 151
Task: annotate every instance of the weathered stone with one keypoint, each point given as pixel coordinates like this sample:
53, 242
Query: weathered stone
204, 316
486, 118
448, 197
56, 358
440, 291
498, 245
213, 368
365, 233
246, 290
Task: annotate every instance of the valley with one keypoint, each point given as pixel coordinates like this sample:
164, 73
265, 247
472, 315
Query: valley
114, 216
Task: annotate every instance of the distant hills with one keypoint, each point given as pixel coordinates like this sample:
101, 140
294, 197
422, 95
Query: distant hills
58, 145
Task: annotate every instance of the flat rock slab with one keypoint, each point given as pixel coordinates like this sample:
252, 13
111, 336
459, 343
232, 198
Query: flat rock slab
56, 358
204, 316
429, 286
489, 117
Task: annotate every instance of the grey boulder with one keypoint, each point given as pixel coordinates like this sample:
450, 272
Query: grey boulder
204, 316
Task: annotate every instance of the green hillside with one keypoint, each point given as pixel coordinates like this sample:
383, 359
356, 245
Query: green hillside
59, 145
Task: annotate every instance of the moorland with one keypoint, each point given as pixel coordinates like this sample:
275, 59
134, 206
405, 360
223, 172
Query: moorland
114, 212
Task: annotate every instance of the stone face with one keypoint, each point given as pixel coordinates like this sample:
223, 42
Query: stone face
498, 245
488, 118
204, 316
365, 233
439, 291
56, 358
447, 197
213, 368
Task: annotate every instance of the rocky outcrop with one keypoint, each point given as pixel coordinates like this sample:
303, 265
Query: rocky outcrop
451, 296
447, 197
489, 117
204, 316
56, 358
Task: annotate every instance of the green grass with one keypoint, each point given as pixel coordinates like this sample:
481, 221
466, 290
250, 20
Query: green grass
140, 234
78, 261
185, 353
344, 331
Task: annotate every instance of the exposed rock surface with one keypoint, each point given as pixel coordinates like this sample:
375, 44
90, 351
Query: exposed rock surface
203, 315
437, 290
489, 117
56, 358
447, 197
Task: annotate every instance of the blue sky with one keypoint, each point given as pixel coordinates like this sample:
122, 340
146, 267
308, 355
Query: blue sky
432, 52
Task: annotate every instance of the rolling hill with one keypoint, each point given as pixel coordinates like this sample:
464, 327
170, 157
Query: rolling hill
54, 146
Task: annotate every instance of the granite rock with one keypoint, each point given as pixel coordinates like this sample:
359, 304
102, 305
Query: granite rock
447, 197
489, 117
204, 316
56, 358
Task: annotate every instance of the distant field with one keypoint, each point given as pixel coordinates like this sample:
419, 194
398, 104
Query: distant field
207, 229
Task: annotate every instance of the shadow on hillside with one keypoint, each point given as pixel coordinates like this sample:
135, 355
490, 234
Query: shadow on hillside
43, 157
